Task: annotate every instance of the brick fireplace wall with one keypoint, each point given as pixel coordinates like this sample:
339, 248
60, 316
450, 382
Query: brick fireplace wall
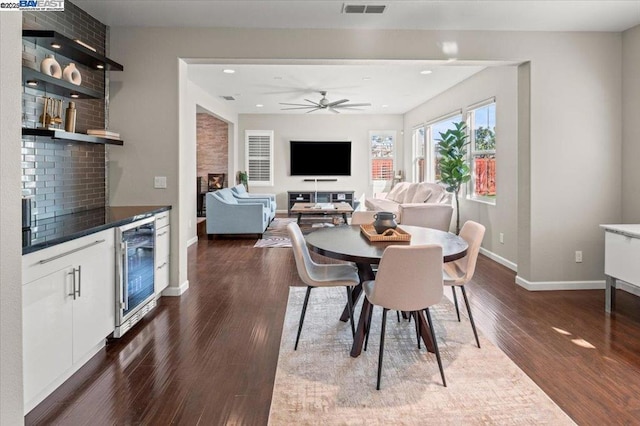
212, 147
64, 177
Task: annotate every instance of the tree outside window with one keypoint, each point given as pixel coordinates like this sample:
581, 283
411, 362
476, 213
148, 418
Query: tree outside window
482, 123
382, 145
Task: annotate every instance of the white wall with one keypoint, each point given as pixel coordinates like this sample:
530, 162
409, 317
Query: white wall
631, 125
195, 96
574, 78
501, 83
344, 127
11, 410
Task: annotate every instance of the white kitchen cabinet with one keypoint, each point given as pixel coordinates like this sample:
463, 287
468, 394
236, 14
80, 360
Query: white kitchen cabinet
68, 309
622, 251
162, 252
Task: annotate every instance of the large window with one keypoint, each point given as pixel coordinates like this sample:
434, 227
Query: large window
382, 155
259, 157
433, 133
418, 141
482, 129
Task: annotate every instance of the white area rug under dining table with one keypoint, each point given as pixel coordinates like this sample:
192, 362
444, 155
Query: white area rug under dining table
321, 383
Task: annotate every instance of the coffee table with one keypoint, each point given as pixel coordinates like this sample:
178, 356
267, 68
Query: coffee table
310, 209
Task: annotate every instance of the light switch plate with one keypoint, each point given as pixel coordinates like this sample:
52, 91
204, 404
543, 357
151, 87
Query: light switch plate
160, 182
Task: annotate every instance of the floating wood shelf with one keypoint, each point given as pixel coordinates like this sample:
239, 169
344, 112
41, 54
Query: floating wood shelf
78, 137
57, 86
70, 49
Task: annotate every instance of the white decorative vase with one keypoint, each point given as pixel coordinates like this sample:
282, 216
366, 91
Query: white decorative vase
50, 66
72, 74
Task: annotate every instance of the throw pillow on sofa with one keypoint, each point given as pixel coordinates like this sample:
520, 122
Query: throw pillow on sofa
397, 192
411, 192
422, 194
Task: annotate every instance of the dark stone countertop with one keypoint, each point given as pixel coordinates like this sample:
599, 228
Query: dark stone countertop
48, 232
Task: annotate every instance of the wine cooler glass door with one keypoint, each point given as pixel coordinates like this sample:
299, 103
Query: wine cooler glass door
137, 263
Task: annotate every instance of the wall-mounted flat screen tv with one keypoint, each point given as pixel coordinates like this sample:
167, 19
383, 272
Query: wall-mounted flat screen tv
318, 158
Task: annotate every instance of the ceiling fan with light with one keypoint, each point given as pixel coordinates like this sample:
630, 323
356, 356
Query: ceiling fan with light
324, 104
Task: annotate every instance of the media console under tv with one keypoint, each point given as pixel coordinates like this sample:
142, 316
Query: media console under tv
323, 197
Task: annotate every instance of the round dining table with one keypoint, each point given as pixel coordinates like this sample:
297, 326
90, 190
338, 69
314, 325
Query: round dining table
350, 244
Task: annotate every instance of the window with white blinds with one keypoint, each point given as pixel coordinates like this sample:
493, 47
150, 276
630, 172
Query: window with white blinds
259, 157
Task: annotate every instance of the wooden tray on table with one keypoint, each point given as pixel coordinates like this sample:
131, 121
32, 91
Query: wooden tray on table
389, 235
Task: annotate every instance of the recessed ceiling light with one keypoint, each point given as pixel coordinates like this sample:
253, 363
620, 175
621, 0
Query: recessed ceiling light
100, 66
75, 95
385, 106
425, 72
228, 71
259, 105
56, 45
32, 83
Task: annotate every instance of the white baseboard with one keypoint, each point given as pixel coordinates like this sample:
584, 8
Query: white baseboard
192, 241
559, 285
176, 291
629, 288
499, 259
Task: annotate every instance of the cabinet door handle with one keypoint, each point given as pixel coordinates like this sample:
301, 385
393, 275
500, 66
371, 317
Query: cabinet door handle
79, 279
66, 253
163, 233
73, 291
163, 265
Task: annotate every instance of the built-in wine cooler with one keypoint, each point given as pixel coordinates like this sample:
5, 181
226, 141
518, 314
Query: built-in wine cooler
135, 259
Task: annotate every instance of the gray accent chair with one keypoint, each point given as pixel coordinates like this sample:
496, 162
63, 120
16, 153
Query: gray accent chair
227, 214
239, 191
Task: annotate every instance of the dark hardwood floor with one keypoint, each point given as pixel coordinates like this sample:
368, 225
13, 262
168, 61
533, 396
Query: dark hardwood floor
209, 357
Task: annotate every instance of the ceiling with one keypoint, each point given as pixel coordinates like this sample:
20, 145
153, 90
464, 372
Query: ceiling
390, 87
398, 84
512, 15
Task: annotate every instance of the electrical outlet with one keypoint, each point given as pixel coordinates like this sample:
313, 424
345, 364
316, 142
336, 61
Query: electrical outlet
501, 238
160, 182
578, 256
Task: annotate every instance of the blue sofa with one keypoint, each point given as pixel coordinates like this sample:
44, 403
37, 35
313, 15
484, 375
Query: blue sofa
240, 192
227, 214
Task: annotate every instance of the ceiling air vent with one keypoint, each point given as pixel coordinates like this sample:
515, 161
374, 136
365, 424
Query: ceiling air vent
228, 98
363, 8
375, 9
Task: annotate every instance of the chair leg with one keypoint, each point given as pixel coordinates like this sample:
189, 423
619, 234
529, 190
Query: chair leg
304, 311
382, 330
417, 327
473, 324
366, 338
398, 315
435, 346
455, 301
350, 308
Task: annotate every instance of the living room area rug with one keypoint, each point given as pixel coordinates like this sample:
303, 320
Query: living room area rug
276, 234
321, 383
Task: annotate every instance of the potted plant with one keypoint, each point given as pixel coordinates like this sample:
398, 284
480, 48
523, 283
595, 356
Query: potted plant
243, 178
454, 169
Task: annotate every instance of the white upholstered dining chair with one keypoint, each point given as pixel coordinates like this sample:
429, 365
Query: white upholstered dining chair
319, 275
436, 216
409, 279
459, 272
362, 217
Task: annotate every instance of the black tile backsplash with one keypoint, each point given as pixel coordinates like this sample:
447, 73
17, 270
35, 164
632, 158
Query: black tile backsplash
64, 177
